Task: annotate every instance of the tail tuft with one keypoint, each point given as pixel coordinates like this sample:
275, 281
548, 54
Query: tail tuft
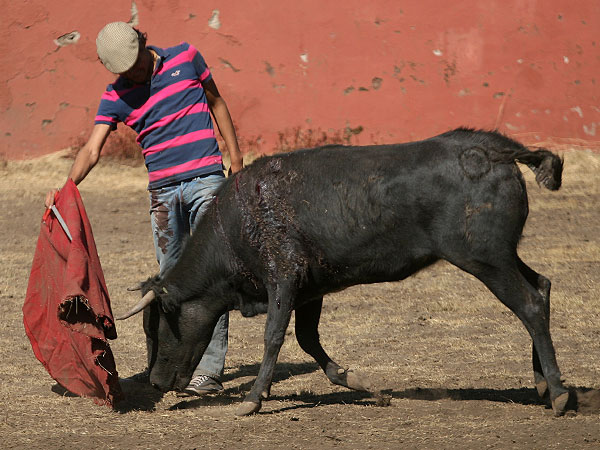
549, 172
546, 165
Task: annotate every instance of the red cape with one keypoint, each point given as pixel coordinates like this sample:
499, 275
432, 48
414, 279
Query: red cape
67, 313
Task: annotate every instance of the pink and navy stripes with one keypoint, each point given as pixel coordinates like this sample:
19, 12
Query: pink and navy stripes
171, 117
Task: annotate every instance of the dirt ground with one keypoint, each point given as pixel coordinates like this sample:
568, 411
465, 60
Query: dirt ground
455, 362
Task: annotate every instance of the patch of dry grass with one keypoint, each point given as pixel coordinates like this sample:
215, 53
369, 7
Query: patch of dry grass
455, 361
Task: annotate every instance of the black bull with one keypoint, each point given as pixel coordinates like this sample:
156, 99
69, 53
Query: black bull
293, 227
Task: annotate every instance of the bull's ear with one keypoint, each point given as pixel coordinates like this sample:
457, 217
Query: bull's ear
150, 284
168, 301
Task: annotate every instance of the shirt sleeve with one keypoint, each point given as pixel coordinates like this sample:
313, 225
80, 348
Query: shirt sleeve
200, 65
108, 110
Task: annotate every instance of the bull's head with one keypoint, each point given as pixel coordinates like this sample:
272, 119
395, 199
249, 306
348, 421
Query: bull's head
177, 333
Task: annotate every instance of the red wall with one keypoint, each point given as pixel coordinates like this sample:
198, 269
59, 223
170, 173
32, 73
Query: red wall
292, 71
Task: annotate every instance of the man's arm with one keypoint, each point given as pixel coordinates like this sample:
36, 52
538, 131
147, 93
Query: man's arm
86, 158
220, 112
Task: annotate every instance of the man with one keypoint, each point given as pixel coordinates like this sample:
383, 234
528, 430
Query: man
167, 96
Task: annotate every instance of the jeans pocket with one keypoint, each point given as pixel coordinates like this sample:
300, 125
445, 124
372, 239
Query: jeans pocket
212, 178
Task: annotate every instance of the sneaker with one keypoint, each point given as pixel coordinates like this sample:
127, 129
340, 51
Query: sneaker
203, 384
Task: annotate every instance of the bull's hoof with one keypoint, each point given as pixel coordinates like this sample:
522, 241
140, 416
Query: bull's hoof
247, 408
559, 404
357, 381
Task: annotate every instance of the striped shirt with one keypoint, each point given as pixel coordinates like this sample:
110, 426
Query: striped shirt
170, 115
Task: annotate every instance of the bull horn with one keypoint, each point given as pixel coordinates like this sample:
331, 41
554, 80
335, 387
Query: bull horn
135, 288
145, 301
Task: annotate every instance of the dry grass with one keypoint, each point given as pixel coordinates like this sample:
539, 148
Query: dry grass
456, 363
121, 147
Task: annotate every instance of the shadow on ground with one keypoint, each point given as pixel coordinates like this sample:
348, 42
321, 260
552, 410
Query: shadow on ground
138, 397
143, 397
282, 372
582, 400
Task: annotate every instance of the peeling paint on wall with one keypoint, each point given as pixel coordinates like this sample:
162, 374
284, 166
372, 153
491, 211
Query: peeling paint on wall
134, 21
527, 70
214, 21
67, 39
577, 109
228, 65
591, 129
269, 69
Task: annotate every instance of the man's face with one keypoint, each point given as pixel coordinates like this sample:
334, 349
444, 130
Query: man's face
141, 71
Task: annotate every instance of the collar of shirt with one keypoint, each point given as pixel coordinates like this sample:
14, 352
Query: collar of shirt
162, 55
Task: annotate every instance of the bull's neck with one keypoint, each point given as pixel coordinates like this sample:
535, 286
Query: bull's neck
202, 264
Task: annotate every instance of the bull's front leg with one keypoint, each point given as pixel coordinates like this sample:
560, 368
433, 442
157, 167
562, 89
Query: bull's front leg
279, 311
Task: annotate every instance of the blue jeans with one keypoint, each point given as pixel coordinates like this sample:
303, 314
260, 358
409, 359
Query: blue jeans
174, 212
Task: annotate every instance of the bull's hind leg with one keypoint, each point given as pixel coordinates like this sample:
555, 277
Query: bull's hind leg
307, 334
542, 285
513, 289
279, 312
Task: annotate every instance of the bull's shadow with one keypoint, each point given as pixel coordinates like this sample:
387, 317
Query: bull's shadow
522, 396
143, 397
283, 371
583, 400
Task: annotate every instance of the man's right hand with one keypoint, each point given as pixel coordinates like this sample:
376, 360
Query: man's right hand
50, 196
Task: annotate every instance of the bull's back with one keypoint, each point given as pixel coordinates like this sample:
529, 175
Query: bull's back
348, 215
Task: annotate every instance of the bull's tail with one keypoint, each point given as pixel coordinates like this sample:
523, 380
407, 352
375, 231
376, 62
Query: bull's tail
546, 165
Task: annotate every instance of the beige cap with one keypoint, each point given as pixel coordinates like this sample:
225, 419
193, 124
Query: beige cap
118, 47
